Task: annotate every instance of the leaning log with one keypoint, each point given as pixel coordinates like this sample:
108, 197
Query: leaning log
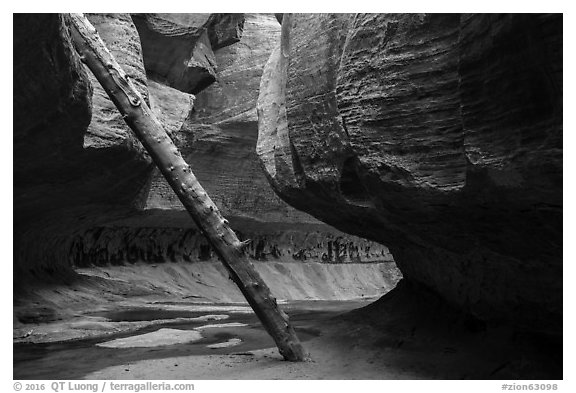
178, 173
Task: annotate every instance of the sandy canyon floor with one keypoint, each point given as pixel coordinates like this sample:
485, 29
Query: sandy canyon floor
105, 326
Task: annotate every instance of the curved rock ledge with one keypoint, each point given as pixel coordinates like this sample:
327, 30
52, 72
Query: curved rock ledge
439, 135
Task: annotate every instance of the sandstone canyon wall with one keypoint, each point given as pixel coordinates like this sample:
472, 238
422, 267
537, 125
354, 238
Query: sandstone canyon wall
86, 192
437, 135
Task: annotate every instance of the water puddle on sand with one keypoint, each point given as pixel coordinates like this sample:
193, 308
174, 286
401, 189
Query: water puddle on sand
183, 330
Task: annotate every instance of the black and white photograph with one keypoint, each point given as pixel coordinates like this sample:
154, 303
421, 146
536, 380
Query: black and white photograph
286, 196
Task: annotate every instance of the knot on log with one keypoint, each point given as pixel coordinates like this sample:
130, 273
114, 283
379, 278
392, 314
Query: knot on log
123, 82
242, 245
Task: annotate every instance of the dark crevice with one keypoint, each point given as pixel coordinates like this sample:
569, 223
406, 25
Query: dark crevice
351, 186
297, 165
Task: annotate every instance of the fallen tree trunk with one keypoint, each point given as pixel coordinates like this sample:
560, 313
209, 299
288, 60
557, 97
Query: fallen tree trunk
203, 211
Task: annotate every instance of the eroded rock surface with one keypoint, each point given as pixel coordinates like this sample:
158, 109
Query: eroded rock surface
437, 135
219, 139
83, 166
306, 243
107, 127
98, 199
109, 143
178, 48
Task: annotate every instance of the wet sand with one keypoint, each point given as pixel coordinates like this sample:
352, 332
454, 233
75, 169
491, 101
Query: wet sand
393, 339
74, 359
406, 334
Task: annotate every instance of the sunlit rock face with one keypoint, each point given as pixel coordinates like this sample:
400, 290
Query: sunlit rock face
107, 127
437, 135
218, 139
86, 192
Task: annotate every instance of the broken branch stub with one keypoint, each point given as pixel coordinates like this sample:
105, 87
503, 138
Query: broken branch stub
177, 172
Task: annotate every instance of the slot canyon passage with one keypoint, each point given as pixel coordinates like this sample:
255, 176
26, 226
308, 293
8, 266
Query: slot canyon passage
399, 177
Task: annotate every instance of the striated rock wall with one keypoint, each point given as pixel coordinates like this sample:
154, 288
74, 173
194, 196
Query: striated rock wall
86, 191
437, 135
83, 167
219, 138
109, 144
120, 245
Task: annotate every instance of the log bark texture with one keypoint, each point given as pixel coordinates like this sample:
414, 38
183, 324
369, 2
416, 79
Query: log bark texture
179, 175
